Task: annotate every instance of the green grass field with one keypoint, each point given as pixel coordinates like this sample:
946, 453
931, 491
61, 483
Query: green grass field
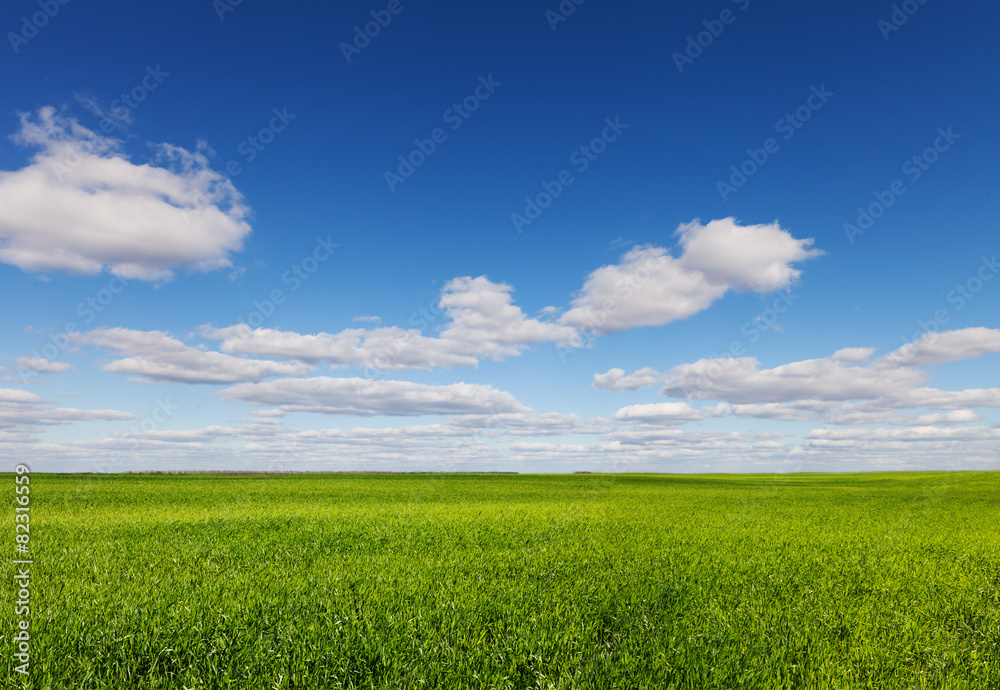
503, 581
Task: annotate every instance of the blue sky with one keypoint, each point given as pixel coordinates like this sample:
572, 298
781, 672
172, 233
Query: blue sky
523, 236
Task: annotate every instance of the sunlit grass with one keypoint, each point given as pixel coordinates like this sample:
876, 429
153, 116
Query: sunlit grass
498, 581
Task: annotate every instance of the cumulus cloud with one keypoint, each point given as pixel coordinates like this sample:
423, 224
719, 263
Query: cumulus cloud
672, 413
743, 257
855, 417
365, 397
461, 443
935, 399
483, 316
668, 413
155, 356
256, 431
649, 287
853, 354
846, 375
947, 346
616, 380
532, 423
482, 323
684, 440
741, 380
81, 206
847, 388
389, 348
800, 410
42, 365
407, 437
844, 437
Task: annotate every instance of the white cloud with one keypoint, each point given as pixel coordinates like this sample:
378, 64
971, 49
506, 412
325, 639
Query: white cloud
42, 365
482, 323
649, 287
844, 389
155, 356
682, 440
856, 417
668, 413
483, 316
800, 410
743, 257
935, 399
81, 206
119, 117
948, 346
456, 446
257, 431
616, 380
388, 348
366, 397
889, 382
15, 396
386, 436
532, 423
915, 434
855, 355
21, 413
673, 413
740, 380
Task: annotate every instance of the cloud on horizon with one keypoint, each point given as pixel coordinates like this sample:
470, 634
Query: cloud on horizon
843, 389
365, 397
23, 414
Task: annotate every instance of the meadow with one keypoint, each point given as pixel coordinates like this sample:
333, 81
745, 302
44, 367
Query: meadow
511, 581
